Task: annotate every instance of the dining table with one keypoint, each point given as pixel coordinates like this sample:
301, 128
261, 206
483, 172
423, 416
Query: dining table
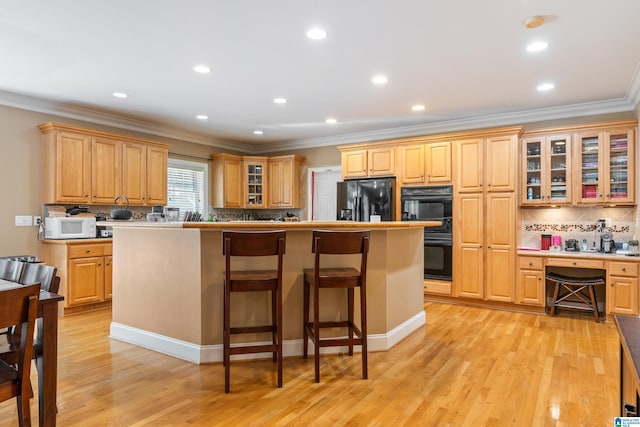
46, 352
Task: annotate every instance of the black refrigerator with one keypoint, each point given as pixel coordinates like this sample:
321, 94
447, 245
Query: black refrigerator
359, 199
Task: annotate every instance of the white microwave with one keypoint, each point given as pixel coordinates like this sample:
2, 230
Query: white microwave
69, 228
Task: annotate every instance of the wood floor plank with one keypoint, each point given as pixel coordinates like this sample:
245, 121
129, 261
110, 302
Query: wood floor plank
467, 367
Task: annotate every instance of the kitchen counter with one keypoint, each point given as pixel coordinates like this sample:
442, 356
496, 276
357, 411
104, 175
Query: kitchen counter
168, 284
582, 255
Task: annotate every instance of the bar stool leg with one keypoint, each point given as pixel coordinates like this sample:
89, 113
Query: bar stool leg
350, 318
227, 337
555, 298
363, 330
274, 325
316, 331
279, 332
305, 320
594, 304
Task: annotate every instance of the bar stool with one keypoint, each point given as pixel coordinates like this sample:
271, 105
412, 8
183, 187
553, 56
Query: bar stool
336, 243
575, 293
253, 244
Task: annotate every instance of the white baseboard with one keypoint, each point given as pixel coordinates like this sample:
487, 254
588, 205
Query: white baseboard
213, 353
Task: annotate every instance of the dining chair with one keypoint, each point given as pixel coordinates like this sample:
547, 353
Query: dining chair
39, 273
10, 270
19, 306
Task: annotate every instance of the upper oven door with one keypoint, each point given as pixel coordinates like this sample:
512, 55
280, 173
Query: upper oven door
424, 204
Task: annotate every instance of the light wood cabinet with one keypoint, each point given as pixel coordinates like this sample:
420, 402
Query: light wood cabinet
530, 284
622, 288
468, 262
371, 162
85, 269
284, 181
605, 166
227, 181
488, 164
94, 167
500, 232
255, 182
426, 163
546, 170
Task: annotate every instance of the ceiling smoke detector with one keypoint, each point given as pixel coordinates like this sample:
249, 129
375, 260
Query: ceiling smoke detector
534, 21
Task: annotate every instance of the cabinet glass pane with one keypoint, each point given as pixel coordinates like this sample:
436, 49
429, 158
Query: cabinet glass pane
618, 166
558, 170
534, 173
254, 184
589, 167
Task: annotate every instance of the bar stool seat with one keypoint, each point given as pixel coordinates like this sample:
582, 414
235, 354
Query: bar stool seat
336, 243
575, 293
253, 244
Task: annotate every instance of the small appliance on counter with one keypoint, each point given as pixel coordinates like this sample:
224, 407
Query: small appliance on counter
572, 245
70, 228
607, 245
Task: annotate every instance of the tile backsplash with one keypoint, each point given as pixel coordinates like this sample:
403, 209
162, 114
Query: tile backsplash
576, 223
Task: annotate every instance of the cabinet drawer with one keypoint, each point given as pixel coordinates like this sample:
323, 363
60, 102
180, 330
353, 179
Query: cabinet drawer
84, 251
575, 263
629, 269
530, 263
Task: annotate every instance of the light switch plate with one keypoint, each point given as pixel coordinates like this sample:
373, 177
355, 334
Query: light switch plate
23, 221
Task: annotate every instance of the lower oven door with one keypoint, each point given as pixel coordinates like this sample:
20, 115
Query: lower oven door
437, 258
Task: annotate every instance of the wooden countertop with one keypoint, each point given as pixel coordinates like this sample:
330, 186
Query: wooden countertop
77, 241
300, 225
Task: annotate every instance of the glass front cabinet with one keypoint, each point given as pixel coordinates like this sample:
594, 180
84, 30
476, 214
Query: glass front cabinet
605, 166
255, 182
546, 170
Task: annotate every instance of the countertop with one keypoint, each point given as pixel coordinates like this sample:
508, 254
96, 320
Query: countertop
581, 255
276, 224
629, 330
78, 241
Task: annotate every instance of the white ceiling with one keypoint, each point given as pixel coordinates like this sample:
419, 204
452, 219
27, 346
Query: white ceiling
465, 60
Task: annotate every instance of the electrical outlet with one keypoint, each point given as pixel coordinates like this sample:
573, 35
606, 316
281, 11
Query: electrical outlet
23, 221
37, 220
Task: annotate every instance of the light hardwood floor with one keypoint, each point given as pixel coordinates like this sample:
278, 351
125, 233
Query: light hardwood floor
466, 367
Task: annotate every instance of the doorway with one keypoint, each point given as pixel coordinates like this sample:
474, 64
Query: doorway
323, 193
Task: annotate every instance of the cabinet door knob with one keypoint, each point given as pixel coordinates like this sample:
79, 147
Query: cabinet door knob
86, 195
88, 251
624, 268
574, 263
99, 265
539, 279
612, 284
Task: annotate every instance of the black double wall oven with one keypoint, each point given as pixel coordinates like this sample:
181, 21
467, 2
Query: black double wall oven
433, 203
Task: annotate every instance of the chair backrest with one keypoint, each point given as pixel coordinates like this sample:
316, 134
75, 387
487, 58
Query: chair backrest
341, 243
19, 307
10, 269
38, 273
253, 243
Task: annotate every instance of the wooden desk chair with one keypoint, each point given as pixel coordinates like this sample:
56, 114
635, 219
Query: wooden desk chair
253, 244
40, 273
11, 270
336, 243
19, 307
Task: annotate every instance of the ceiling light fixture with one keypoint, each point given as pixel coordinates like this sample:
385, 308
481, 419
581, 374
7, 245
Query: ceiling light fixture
202, 69
330, 120
379, 79
544, 87
257, 132
534, 21
537, 46
202, 117
280, 100
417, 107
120, 95
316, 33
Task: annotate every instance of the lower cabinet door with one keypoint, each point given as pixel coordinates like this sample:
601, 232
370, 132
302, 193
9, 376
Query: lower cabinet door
86, 280
530, 288
622, 295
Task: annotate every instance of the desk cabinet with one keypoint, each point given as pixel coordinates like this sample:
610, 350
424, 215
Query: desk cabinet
530, 288
622, 288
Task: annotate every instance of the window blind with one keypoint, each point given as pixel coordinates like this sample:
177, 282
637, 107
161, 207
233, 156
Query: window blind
187, 186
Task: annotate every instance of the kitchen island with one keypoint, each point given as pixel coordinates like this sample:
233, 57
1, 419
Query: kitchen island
168, 284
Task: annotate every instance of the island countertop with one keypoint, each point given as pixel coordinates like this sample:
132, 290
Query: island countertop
168, 284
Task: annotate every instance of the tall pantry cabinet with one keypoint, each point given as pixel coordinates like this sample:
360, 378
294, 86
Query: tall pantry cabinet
485, 208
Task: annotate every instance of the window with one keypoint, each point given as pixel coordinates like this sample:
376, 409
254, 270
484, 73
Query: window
187, 186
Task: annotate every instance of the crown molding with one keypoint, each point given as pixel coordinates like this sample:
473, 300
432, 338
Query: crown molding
633, 94
457, 125
89, 115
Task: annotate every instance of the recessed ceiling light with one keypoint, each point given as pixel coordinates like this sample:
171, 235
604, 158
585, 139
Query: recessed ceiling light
379, 79
257, 132
537, 46
330, 120
543, 87
202, 117
316, 33
120, 94
534, 21
280, 100
417, 107
202, 69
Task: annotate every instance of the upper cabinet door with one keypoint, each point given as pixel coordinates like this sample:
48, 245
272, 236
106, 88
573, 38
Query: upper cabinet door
470, 165
255, 182
412, 160
546, 178
354, 164
619, 182
134, 159
501, 163
106, 172
73, 168
382, 161
156, 175
438, 155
